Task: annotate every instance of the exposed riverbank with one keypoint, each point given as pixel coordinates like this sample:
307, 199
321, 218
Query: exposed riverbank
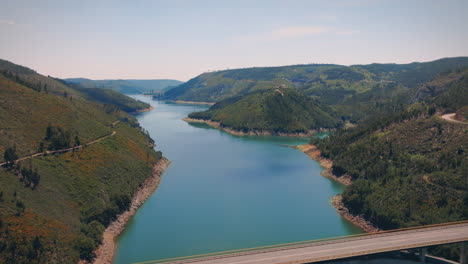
337, 201
314, 153
145, 109
357, 220
105, 252
252, 132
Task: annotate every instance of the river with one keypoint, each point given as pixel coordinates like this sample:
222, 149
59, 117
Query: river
224, 192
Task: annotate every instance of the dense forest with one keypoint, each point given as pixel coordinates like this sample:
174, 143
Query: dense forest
54, 208
128, 86
276, 111
354, 92
409, 167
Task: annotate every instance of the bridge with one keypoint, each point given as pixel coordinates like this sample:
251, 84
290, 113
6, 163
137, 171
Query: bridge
339, 248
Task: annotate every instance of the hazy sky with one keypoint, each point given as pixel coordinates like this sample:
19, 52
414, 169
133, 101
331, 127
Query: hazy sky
181, 39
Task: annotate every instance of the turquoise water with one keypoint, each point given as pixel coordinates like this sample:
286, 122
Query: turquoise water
225, 192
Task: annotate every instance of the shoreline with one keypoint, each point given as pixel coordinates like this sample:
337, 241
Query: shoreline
337, 201
191, 102
357, 220
235, 132
106, 251
314, 153
144, 110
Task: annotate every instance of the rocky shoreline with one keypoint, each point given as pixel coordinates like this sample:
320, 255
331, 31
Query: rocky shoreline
105, 252
235, 132
359, 221
337, 201
314, 153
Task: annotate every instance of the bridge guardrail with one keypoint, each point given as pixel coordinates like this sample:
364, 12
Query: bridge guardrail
300, 244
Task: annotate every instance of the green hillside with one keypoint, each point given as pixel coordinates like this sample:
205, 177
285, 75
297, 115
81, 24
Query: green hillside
107, 96
37, 82
280, 110
54, 208
357, 91
130, 86
409, 168
110, 97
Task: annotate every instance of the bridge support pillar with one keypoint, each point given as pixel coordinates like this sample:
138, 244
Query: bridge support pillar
422, 255
463, 253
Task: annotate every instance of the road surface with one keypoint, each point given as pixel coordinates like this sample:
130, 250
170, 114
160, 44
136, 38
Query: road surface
341, 248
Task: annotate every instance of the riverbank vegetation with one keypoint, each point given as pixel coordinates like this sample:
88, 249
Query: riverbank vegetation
409, 168
275, 111
54, 208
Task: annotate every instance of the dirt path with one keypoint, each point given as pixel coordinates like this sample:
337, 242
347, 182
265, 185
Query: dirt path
47, 152
449, 118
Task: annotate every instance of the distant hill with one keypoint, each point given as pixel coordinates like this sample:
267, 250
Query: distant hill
54, 208
409, 168
110, 97
331, 83
129, 86
40, 83
273, 111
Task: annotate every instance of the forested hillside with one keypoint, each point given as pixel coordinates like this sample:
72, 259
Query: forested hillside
54, 208
334, 82
276, 111
110, 97
127, 86
40, 83
409, 168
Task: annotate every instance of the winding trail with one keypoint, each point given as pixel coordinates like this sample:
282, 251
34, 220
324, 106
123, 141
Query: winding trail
449, 118
47, 152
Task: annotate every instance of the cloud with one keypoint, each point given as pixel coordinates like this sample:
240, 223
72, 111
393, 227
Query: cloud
7, 22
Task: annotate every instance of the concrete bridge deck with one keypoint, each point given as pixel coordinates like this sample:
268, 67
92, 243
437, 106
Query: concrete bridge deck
332, 249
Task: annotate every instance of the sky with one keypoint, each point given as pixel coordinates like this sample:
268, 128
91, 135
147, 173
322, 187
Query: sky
175, 39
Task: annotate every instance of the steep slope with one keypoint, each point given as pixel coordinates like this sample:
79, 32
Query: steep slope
334, 82
35, 81
110, 97
271, 111
409, 168
54, 208
129, 86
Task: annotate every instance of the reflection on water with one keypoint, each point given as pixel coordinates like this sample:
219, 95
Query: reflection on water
225, 192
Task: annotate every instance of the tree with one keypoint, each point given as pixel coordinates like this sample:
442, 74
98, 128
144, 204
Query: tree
31, 177
85, 246
41, 147
10, 155
77, 141
49, 132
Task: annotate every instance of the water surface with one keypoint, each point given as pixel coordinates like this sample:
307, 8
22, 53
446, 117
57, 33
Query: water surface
225, 192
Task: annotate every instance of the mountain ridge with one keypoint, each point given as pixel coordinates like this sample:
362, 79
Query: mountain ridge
129, 86
309, 78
